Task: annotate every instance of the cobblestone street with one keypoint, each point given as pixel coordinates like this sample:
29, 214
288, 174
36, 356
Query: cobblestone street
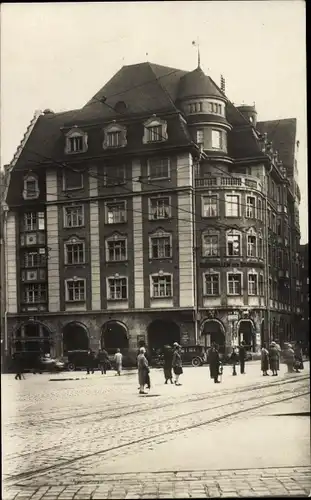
95, 437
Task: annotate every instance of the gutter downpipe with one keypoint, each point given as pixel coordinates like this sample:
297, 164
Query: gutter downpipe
195, 278
267, 258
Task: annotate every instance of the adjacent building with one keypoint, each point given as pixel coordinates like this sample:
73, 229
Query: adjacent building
157, 212
303, 333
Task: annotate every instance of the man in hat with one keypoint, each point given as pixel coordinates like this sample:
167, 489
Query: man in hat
242, 356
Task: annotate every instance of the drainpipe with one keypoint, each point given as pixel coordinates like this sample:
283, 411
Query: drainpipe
195, 258
267, 258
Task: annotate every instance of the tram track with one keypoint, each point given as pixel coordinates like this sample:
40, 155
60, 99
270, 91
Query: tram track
133, 408
261, 401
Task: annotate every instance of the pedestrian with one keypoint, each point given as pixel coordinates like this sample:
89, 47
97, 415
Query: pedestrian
168, 364
177, 363
242, 357
103, 360
214, 363
289, 358
118, 361
298, 357
274, 358
235, 360
18, 367
90, 362
264, 360
143, 371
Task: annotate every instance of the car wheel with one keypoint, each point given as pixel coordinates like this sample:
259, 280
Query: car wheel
196, 362
71, 367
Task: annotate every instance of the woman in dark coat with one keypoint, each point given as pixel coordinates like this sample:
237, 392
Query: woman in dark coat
214, 362
264, 360
274, 358
143, 371
168, 363
177, 363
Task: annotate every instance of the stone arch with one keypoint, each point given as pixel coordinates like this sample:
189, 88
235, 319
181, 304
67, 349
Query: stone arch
114, 335
246, 332
75, 337
32, 336
162, 332
213, 331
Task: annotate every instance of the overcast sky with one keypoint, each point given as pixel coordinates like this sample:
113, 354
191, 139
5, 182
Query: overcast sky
57, 55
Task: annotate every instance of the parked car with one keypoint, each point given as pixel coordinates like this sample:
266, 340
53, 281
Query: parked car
76, 359
37, 362
193, 354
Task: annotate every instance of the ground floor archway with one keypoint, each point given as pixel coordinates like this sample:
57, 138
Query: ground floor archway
75, 337
213, 332
162, 332
246, 333
32, 337
114, 336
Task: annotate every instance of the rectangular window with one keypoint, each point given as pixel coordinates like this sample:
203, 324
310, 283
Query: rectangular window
31, 188
74, 216
72, 179
75, 144
115, 176
250, 206
261, 285
155, 133
232, 205
115, 212
114, 139
273, 222
210, 206
260, 248
210, 246
159, 168
259, 208
161, 286
279, 227
270, 288
30, 221
116, 250
269, 218
117, 288
252, 284
35, 293
234, 284
74, 253
251, 246
200, 136
279, 195
217, 142
161, 247
233, 245
35, 259
211, 284
159, 208
196, 107
75, 291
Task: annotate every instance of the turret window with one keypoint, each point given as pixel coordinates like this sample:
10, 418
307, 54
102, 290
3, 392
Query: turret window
215, 107
217, 139
200, 136
196, 107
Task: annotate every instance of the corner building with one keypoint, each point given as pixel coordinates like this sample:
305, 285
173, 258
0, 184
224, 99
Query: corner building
157, 212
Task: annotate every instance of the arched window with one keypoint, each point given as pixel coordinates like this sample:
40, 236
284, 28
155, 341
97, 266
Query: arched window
76, 141
114, 136
155, 130
31, 187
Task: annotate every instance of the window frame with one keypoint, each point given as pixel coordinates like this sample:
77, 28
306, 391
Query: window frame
253, 274
66, 188
76, 133
67, 293
151, 198
259, 208
203, 246
115, 182
250, 210
234, 234
149, 167
220, 137
115, 128
227, 204
116, 239
31, 178
155, 122
237, 273
158, 236
159, 276
255, 246
199, 132
108, 289
211, 274
116, 202
74, 241
204, 199
40, 286
65, 216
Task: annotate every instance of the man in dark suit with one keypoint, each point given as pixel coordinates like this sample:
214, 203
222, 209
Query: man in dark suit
242, 356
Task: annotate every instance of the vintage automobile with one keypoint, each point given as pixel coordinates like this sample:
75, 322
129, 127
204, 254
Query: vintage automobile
193, 354
76, 359
36, 362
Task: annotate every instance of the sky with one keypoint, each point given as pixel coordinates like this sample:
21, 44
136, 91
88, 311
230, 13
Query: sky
58, 55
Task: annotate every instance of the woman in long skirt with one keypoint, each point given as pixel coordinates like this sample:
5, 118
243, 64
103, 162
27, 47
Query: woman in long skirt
264, 360
274, 358
168, 364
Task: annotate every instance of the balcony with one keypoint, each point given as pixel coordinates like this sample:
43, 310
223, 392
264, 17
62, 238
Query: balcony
232, 181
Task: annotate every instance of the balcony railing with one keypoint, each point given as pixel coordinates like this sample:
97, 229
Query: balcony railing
232, 181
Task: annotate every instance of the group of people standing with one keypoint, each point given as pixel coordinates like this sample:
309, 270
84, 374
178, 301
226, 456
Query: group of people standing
270, 358
172, 363
103, 362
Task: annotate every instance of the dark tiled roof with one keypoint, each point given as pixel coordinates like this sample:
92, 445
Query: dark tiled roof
243, 144
196, 83
282, 134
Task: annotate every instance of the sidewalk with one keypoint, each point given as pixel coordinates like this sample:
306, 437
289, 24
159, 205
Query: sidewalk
288, 482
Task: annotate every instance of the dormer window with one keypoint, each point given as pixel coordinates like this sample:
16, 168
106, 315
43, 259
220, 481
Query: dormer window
115, 136
76, 141
31, 188
155, 130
